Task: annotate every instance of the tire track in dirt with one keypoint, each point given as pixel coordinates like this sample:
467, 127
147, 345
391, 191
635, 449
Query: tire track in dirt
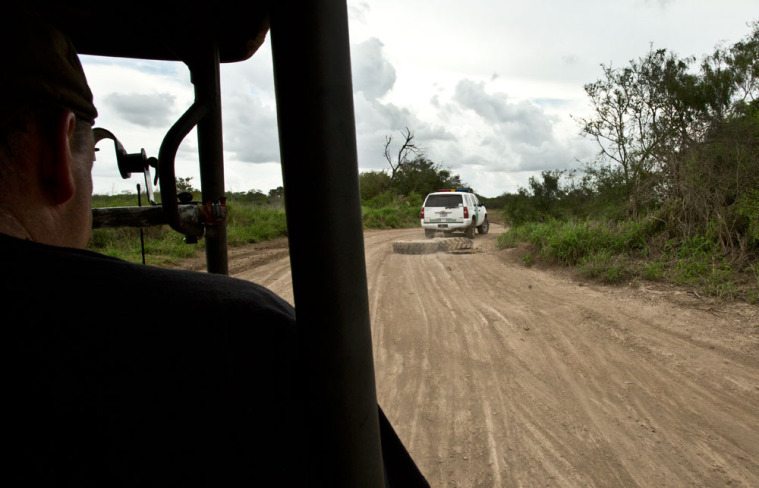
494, 374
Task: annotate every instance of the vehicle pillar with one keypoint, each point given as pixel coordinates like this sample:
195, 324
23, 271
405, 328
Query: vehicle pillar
317, 136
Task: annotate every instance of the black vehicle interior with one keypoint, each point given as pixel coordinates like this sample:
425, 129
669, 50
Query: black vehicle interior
349, 439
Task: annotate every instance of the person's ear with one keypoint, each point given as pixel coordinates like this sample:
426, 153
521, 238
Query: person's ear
57, 166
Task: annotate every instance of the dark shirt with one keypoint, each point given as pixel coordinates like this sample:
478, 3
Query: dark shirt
122, 374
129, 375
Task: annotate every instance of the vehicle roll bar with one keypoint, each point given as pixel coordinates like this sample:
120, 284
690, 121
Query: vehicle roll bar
317, 136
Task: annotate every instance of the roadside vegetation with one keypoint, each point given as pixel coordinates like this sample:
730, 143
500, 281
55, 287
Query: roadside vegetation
674, 193
392, 199
251, 217
389, 200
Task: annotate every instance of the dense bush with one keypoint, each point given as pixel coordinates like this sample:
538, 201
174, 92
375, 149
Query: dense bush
676, 179
390, 211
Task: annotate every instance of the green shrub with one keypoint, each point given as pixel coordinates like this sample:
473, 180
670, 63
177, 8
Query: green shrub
571, 241
394, 217
605, 266
508, 239
699, 262
162, 244
747, 209
248, 223
653, 271
390, 211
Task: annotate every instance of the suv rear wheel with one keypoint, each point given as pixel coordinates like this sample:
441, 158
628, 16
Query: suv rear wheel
429, 233
485, 227
469, 232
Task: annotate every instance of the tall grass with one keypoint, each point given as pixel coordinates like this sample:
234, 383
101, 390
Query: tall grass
391, 211
569, 242
163, 246
614, 252
246, 223
390, 217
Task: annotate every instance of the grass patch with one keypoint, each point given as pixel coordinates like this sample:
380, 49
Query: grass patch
162, 244
606, 267
570, 243
247, 224
653, 271
389, 218
390, 213
616, 252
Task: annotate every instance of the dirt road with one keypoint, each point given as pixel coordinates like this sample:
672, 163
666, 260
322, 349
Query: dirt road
495, 374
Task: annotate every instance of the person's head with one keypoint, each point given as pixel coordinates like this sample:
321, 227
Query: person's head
46, 143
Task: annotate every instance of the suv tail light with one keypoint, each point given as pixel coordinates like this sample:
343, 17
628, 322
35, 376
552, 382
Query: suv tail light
421, 213
466, 212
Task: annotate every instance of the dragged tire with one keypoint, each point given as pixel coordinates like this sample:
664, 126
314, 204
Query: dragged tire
455, 244
485, 227
416, 247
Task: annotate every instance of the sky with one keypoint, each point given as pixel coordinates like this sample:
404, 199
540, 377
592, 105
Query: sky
491, 89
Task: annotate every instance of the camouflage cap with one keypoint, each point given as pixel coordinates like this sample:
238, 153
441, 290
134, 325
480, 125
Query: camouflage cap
41, 66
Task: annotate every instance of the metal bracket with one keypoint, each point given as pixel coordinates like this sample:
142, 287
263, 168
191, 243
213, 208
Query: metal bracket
130, 163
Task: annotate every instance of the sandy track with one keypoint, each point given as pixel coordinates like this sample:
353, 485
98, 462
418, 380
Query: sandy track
494, 374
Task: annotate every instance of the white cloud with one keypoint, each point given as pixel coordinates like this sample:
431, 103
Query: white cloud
250, 129
520, 130
145, 109
487, 87
372, 74
520, 121
358, 11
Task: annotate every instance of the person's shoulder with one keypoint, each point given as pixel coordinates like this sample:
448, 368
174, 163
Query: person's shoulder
103, 277
198, 289
210, 286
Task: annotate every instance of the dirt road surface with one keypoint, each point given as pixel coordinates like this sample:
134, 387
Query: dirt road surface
495, 374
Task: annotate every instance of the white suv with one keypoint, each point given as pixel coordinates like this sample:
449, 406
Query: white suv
455, 210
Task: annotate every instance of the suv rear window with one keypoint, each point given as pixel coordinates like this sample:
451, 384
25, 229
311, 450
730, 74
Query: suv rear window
447, 201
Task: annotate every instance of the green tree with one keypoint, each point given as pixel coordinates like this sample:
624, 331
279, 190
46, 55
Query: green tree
185, 185
681, 137
636, 110
422, 176
540, 202
373, 183
277, 196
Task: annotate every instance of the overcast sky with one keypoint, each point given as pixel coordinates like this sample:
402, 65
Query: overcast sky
488, 87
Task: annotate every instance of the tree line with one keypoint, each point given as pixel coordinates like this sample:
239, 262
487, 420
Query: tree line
678, 143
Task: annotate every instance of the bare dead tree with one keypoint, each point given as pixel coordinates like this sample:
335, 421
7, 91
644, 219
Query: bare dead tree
407, 148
